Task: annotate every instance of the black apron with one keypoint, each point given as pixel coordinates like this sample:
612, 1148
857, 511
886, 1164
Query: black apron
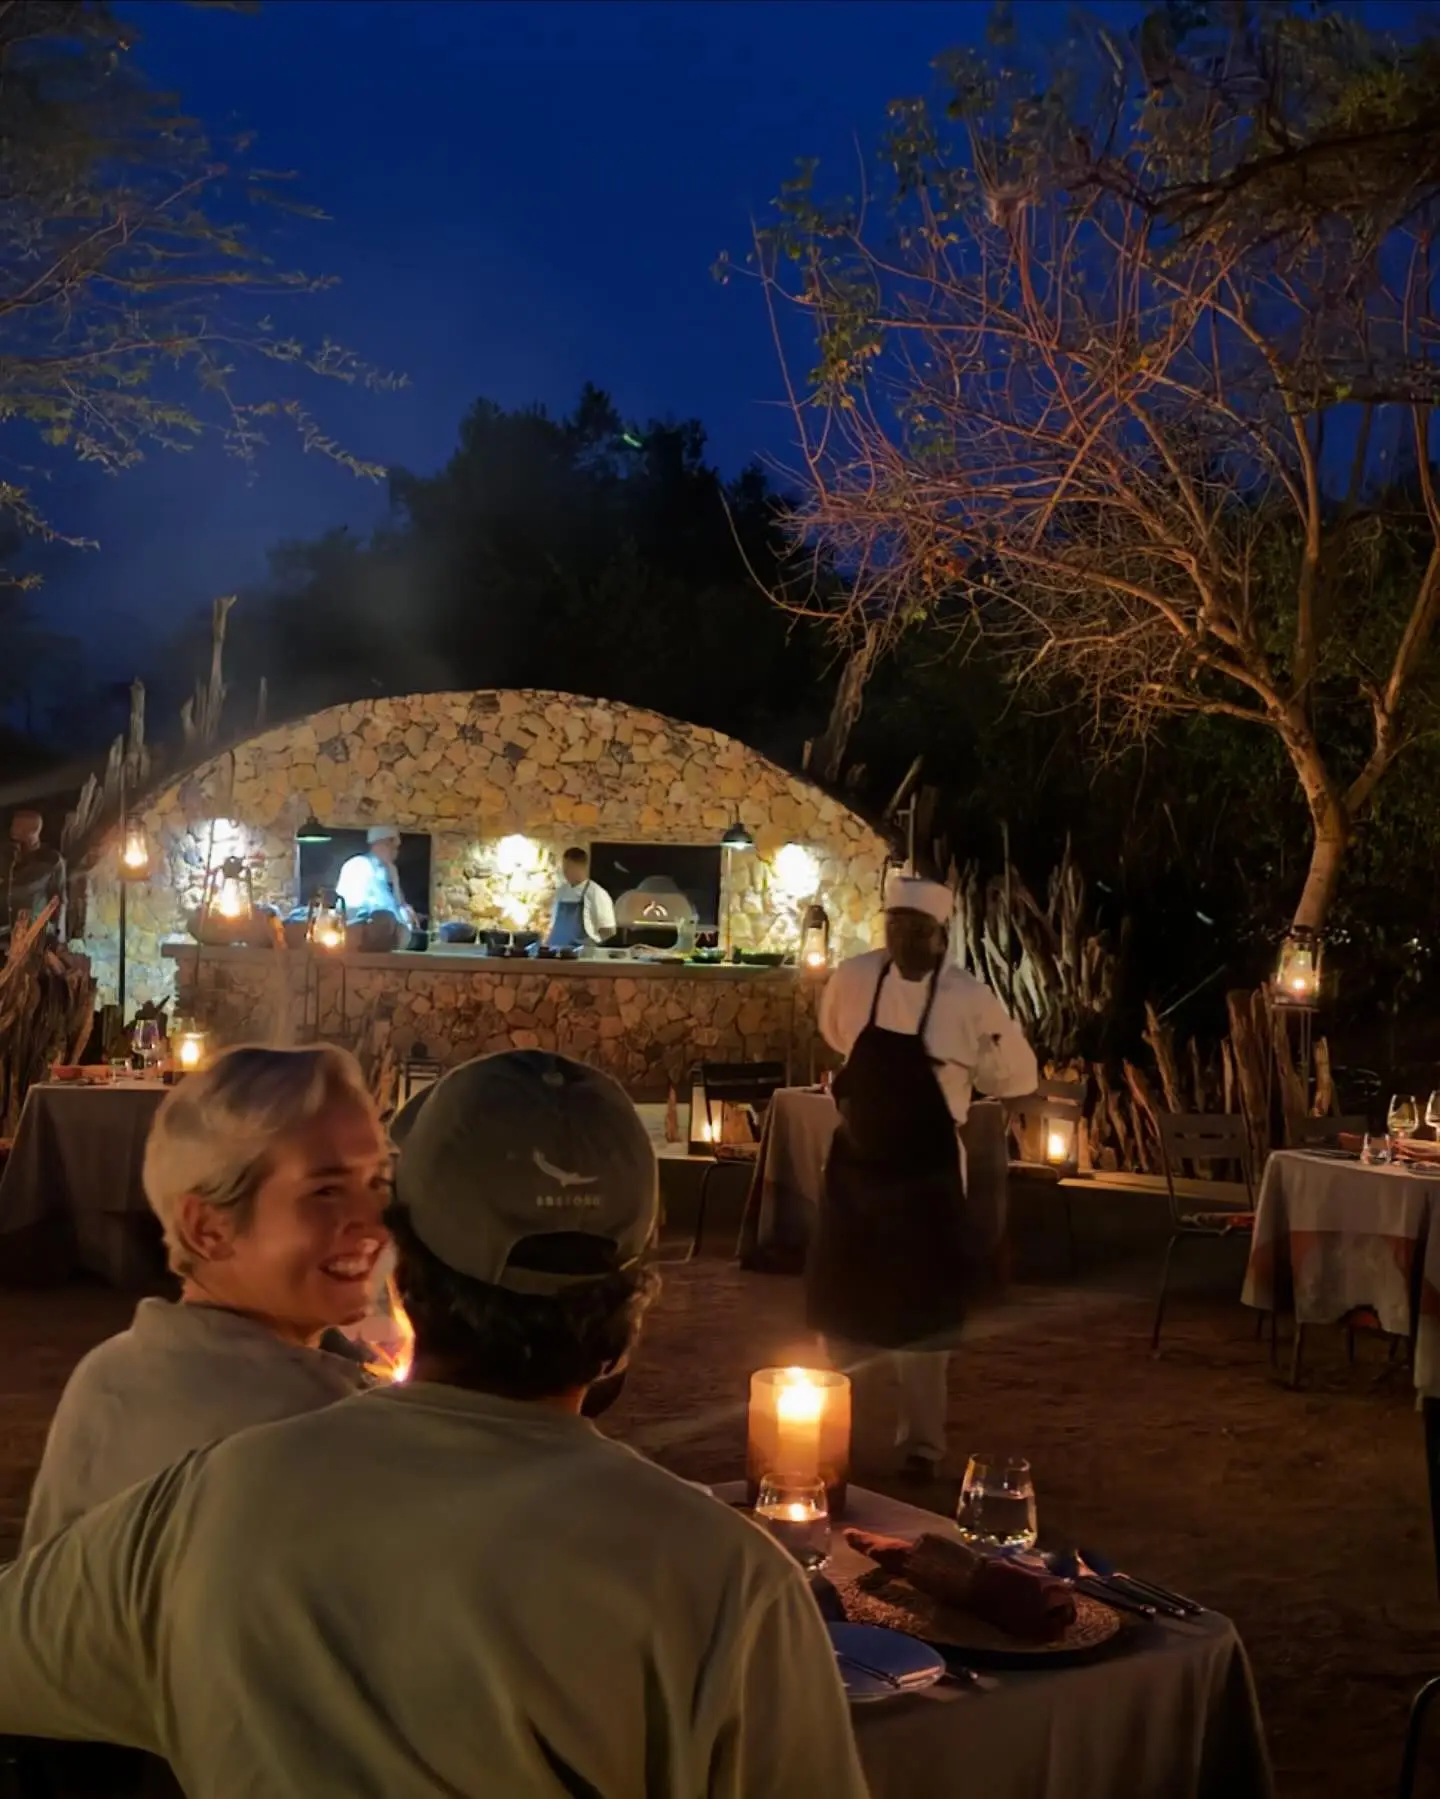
888, 1266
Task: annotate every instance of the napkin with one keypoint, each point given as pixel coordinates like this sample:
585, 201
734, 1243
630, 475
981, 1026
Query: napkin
1021, 1602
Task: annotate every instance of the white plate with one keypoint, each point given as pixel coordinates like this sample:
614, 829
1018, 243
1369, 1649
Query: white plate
906, 1658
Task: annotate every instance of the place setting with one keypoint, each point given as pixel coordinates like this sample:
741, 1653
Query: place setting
913, 1600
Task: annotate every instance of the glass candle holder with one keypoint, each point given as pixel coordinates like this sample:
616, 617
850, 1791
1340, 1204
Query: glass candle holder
799, 1426
797, 1515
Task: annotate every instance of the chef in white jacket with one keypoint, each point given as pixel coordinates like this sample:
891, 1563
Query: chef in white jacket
369, 884
895, 1251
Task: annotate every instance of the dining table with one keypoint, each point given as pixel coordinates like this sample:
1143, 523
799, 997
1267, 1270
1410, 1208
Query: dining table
71, 1196
1335, 1236
1168, 1712
789, 1171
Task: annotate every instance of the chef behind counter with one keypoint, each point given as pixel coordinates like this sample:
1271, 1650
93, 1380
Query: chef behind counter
583, 913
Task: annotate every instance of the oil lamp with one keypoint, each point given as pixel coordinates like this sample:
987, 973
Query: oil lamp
815, 939
326, 927
134, 852
1297, 978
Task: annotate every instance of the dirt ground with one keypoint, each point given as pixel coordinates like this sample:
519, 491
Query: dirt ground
1303, 1515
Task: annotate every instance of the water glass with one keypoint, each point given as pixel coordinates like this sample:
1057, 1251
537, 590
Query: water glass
1375, 1149
797, 1515
1432, 1113
1404, 1116
997, 1504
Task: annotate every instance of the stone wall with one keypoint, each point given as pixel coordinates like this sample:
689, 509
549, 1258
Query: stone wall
648, 1029
503, 782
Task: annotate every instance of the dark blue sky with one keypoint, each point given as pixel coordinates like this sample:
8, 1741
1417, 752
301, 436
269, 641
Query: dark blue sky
522, 197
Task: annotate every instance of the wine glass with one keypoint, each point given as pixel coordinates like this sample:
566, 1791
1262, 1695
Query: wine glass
145, 1042
997, 1504
796, 1512
1403, 1116
1432, 1113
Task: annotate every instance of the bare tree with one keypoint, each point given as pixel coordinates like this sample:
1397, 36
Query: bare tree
1127, 364
134, 288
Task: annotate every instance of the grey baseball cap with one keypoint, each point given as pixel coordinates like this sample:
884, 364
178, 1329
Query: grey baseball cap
511, 1149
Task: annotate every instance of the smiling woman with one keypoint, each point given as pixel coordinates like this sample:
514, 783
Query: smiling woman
269, 1173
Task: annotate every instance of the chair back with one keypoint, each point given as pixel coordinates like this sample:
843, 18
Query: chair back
1322, 1133
1212, 1139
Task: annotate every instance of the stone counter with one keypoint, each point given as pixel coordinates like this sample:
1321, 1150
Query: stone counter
647, 1024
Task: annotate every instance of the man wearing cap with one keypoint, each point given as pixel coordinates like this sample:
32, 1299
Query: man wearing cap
452, 1587
370, 885
894, 1250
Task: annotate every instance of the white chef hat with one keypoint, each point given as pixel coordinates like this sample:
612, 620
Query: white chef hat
906, 893
382, 833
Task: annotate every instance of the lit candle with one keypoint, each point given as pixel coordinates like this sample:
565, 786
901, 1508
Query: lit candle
191, 1051
799, 1405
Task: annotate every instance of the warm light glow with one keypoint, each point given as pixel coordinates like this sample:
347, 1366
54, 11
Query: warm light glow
328, 937
794, 1511
815, 958
231, 903
190, 1051
1297, 979
135, 855
796, 871
516, 855
1056, 1147
799, 1399
394, 1364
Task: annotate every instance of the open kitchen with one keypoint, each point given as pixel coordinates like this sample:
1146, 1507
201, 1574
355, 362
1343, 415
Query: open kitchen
729, 888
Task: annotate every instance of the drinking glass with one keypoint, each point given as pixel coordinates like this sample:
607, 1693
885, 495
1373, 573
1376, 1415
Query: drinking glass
997, 1504
1432, 1113
1403, 1117
145, 1042
797, 1515
1375, 1149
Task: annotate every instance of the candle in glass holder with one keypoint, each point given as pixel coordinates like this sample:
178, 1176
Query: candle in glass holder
190, 1051
799, 1427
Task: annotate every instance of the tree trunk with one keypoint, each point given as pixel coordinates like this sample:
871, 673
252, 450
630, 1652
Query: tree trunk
826, 759
1332, 838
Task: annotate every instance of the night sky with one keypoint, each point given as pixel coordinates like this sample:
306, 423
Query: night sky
523, 196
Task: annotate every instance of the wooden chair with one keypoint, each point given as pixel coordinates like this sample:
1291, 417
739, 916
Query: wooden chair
1324, 1133
750, 1086
1430, 1692
1203, 1208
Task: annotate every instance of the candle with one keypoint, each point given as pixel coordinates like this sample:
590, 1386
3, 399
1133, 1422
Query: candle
799, 1429
798, 1407
192, 1051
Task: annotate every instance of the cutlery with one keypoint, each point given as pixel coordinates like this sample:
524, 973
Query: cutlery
1150, 1588
1111, 1596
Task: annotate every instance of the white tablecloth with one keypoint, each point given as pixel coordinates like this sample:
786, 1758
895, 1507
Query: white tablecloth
1171, 1715
1335, 1236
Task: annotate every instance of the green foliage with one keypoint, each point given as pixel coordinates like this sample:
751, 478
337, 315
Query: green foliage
580, 553
133, 290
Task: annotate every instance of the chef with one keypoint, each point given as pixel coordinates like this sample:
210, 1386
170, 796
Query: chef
583, 912
370, 884
895, 1247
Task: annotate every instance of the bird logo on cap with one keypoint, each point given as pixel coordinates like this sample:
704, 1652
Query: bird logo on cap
562, 1177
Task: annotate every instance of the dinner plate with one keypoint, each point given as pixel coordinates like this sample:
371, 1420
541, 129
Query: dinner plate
860, 1648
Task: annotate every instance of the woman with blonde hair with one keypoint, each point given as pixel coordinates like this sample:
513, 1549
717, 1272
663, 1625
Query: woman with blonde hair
269, 1173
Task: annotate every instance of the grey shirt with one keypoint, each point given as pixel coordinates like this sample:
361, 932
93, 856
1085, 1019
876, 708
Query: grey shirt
424, 1593
180, 1377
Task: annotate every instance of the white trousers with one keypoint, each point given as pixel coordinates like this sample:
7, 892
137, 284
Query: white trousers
923, 1379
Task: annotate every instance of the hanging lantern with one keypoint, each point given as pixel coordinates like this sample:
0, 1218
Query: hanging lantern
134, 851
231, 893
326, 927
1297, 978
815, 940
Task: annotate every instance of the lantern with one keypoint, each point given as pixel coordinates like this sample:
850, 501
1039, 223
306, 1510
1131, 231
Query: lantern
231, 893
815, 940
707, 1119
190, 1049
326, 926
799, 1428
1061, 1140
1297, 978
134, 852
